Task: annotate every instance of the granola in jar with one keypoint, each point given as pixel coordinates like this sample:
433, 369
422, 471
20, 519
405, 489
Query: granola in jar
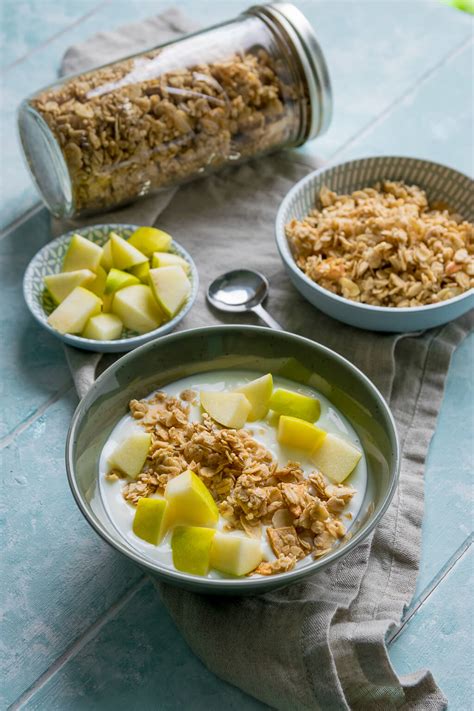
154, 120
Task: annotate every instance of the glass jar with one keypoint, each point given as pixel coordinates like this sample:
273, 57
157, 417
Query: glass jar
238, 90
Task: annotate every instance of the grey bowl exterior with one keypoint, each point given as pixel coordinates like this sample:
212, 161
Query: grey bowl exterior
167, 359
48, 260
441, 184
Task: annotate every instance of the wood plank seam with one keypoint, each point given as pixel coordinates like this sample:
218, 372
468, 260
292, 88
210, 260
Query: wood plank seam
426, 593
409, 92
45, 43
24, 217
79, 644
25, 424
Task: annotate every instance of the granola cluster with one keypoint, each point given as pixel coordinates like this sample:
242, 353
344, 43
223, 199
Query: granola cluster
302, 515
132, 127
385, 246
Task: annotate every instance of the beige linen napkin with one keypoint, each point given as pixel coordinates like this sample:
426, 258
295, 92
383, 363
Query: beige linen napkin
319, 644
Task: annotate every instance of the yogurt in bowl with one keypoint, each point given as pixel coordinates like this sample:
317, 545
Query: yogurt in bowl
240, 351
267, 497
348, 400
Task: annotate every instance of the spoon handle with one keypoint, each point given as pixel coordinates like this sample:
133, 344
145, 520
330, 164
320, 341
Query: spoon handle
266, 318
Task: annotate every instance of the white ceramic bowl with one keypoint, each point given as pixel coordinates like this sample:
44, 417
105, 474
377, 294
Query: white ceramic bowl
440, 182
49, 260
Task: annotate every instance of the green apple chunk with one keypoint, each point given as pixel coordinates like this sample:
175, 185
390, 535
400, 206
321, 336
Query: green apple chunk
228, 409
130, 455
171, 287
167, 259
82, 254
103, 327
149, 240
287, 402
106, 261
258, 393
141, 271
117, 279
73, 313
60, 285
190, 500
125, 255
191, 547
137, 308
294, 432
150, 520
98, 285
336, 458
235, 555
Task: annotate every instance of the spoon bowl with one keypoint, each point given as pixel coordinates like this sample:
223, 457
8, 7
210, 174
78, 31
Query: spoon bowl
238, 291
241, 290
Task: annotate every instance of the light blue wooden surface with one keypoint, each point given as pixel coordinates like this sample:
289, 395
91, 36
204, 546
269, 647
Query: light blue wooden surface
75, 614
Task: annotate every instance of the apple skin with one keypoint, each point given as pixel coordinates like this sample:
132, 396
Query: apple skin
258, 392
235, 555
228, 409
73, 313
287, 402
170, 287
107, 301
141, 271
191, 547
125, 255
130, 454
82, 254
149, 240
336, 458
117, 279
298, 433
107, 261
150, 520
190, 500
98, 285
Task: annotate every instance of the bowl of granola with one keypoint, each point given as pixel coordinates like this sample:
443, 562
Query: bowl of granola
383, 243
232, 459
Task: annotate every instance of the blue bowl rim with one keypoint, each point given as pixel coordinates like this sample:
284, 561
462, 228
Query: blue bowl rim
135, 341
287, 257
204, 584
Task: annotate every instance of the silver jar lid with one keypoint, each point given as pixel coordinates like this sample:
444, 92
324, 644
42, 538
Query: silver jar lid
315, 70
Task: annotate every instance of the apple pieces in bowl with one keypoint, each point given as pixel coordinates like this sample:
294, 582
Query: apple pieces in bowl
232, 480
111, 287
102, 283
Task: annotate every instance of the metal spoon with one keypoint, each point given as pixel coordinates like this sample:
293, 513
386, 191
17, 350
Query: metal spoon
241, 290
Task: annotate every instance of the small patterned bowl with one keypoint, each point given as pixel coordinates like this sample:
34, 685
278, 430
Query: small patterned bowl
49, 261
441, 184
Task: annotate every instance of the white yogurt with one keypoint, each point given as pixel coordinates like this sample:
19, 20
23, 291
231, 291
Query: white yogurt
121, 513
